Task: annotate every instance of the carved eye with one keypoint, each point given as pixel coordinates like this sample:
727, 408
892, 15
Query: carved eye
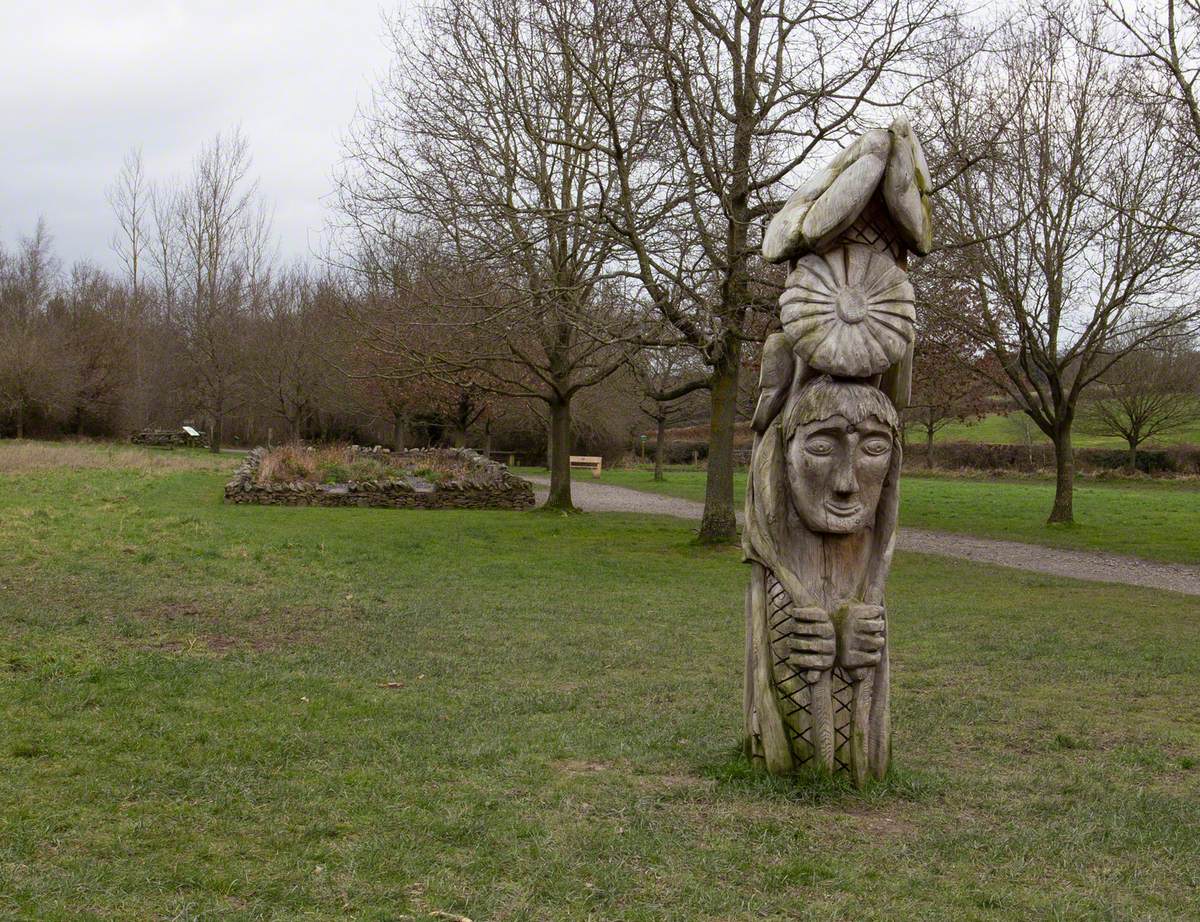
876, 446
819, 446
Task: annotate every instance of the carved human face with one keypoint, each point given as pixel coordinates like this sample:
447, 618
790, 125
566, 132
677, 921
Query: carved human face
836, 471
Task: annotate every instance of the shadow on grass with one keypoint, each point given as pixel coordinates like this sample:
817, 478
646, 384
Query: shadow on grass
813, 787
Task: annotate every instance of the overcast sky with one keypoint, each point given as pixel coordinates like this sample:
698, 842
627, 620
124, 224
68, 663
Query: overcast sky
83, 82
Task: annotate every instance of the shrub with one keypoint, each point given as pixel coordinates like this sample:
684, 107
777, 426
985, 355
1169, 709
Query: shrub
433, 475
333, 472
286, 464
1181, 460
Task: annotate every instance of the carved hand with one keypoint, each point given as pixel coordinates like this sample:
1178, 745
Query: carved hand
860, 635
812, 640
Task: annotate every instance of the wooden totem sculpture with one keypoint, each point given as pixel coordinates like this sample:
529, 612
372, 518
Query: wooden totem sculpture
823, 496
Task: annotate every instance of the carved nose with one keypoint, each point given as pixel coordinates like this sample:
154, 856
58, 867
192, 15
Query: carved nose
845, 484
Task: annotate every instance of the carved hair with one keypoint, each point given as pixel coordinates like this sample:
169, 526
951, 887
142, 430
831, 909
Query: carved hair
825, 397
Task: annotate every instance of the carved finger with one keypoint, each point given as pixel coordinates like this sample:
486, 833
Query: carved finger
813, 645
872, 642
870, 626
808, 629
861, 610
806, 661
810, 615
856, 659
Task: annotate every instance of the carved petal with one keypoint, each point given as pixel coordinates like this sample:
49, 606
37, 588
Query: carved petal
845, 199
774, 379
921, 166
833, 197
904, 192
785, 233
836, 198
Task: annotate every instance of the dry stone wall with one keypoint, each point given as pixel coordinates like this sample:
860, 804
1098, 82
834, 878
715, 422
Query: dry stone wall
168, 438
491, 486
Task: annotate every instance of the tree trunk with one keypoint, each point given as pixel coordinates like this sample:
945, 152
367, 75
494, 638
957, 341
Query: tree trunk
20, 420
1132, 456
214, 438
719, 524
398, 433
560, 455
1064, 483
660, 447
929, 447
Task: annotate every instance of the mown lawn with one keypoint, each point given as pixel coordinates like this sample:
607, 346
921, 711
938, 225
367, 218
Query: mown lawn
197, 723
1157, 520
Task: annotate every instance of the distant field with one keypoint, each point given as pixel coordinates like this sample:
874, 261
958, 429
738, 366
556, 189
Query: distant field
26, 456
244, 712
1158, 520
1010, 430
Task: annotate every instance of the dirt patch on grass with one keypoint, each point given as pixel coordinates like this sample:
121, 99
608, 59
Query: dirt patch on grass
187, 627
24, 457
201, 643
582, 767
878, 821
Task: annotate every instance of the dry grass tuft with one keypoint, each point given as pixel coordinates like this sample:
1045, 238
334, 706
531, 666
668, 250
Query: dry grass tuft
340, 463
25, 456
288, 463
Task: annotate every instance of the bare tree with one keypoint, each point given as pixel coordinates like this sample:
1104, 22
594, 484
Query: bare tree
99, 335
1071, 233
405, 356
293, 330
944, 391
32, 362
738, 93
665, 377
1165, 37
129, 198
1150, 392
213, 212
484, 139
947, 383
166, 248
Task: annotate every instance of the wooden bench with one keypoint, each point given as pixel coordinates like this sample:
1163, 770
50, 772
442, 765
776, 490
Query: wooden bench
588, 461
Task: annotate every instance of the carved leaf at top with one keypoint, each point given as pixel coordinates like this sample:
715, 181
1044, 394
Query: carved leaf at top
889, 160
848, 312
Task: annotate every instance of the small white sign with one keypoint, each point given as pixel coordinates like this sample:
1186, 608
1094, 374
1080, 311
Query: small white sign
190, 431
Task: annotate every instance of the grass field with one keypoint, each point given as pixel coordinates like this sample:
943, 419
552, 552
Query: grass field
245, 712
1158, 520
1011, 430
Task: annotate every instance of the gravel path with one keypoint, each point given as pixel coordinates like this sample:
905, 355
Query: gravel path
1088, 565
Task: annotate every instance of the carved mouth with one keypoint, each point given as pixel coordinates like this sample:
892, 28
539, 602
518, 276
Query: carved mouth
843, 510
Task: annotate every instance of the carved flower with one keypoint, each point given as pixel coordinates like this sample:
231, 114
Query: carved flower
848, 312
